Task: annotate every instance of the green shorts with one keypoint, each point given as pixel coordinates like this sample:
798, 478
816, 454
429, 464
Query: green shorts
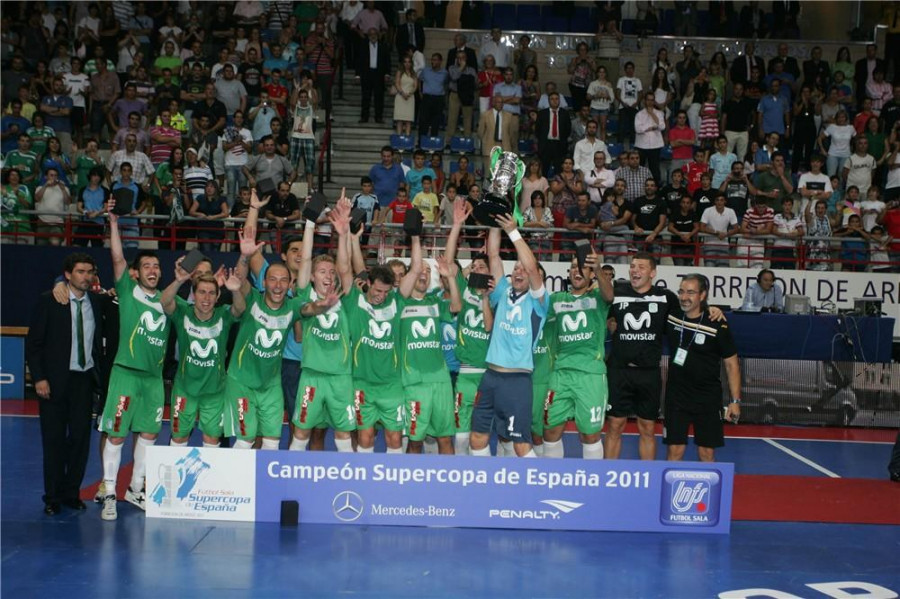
185, 407
466, 392
325, 399
253, 412
578, 395
134, 403
429, 410
378, 402
537, 408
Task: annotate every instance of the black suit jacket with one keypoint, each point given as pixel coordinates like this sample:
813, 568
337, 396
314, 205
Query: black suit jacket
542, 126
790, 66
403, 37
785, 16
470, 14
739, 71
384, 58
48, 346
861, 75
471, 57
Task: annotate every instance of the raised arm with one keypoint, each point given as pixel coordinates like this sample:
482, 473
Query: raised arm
167, 299
305, 271
448, 269
408, 282
461, 211
493, 251
529, 263
256, 260
115, 243
250, 252
603, 284
236, 283
340, 220
357, 261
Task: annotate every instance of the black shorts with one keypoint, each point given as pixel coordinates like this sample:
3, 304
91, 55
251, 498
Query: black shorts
77, 117
706, 418
634, 391
503, 405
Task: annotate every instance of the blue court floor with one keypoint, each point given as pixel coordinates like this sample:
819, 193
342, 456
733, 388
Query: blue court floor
77, 555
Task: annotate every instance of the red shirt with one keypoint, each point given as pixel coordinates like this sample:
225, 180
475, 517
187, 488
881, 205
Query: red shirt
692, 174
682, 134
276, 90
859, 123
398, 210
892, 227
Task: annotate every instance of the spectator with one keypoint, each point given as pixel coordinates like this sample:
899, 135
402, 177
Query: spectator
581, 219
787, 228
601, 95
879, 242
92, 199
538, 215
880, 91
661, 91
720, 162
230, 92
237, 142
890, 112
818, 225
673, 192
765, 293
816, 72
131, 127
105, 89
56, 159
587, 147
862, 117
789, 62
463, 81
213, 109
426, 200
804, 130
303, 137
681, 139
633, 174
649, 124
396, 212
268, 165
763, 156
463, 179
164, 176
864, 71
871, 208
840, 133
648, 217
15, 196
13, 125
854, 249
418, 172
196, 174
553, 129
164, 138
565, 187
140, 167
742, 66
405, 85
628, 94
705, 196
367, 201
773, 112
24, 161
786, 19
50, 199
683, 227
78, 85
58, 110
459, 45
738, 189
533, 180
524, 57
283, 210
210, 208
615, 216
890, 220
497, 48
859, 167
386, 176
277, 92
687, 68
757, 224
598, 179
774, 184
581, 68
124, 107
374, 71
411, 33
433, 87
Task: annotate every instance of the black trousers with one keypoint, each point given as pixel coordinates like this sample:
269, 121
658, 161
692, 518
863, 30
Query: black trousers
431, 115
894, 465
552, 152
650, 159
372, 84
66, 436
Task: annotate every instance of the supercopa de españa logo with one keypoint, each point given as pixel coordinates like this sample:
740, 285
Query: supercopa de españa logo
690, 497
179, 488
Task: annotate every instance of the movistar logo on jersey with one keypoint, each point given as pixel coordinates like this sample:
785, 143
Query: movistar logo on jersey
474, 318
423, 330
570, 323
202, 351
266, 340
153, 324
379, 330
328, 320
633, 323
514, 313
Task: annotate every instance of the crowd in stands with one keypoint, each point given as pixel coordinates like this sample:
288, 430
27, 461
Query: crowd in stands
187, 94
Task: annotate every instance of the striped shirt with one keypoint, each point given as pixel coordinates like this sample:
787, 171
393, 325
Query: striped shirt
755, 221
160, 152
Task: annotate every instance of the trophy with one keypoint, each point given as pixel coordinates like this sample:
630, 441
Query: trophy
507, 172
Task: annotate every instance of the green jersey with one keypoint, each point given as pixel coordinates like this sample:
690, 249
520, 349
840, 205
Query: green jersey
579, 323
326, 337
472, 339
39, 138
12, 201
543, 354
83, 167
256, 361
373, 332
421, 355
202, 344
142, 328
24, 162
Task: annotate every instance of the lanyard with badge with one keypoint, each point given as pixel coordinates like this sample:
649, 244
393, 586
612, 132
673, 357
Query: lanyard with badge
682, 352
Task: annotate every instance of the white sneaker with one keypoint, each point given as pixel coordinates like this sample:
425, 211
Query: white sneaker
109, 508
100, 495
135, 498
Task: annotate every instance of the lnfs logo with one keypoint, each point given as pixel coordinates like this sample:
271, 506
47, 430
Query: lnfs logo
178, 480
691, 497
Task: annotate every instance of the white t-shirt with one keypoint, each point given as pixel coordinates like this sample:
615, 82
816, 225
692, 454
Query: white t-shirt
594, 90
237, 156
53, 200
629, 90
840, 139
78, 86
90, 23
869, 210
893, 178
820, 182
861, 169
719, 223
786, 225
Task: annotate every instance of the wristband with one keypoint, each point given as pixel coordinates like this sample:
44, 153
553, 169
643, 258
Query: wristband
310, 225
736, 400
538, 293
514, 235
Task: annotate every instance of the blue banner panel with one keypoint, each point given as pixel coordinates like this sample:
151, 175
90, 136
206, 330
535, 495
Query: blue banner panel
12, 368
566, 494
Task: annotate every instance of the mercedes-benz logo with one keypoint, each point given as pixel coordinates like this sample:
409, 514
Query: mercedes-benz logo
347, 506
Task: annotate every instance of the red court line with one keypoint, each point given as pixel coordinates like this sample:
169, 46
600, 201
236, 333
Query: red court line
815, 499
87, 493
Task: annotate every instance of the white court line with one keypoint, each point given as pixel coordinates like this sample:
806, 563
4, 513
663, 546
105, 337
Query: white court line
805, 460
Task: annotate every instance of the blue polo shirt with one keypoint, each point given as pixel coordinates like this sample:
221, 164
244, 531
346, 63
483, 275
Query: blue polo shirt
6, 124
386, 181
513, 89
434, 83
58, 123
773, 110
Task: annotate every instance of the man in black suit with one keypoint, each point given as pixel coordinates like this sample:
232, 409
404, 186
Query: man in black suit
740, 68
789, 62
63, 349
459, 45
410, 33
786, 19
554, 126
470, 15
374, 70
862, 74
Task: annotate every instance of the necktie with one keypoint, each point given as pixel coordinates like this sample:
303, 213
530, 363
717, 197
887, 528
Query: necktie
412, 34
79, 332
497, 125
554, 126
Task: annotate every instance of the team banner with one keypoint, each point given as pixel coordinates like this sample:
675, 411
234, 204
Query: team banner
457, 491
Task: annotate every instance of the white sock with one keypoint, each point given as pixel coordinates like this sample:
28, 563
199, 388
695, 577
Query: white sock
461, 444
298, 445
553, 449
505, 449
205, 444
270, 444
140, 462
530, 453
538, 450
592, 451
242, 444
112, 459
361, 449
344, 445
404, 443
484, 452
174, 443
430, 446
398, 450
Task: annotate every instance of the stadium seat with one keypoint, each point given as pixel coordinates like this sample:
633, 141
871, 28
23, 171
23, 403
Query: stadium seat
504, 15
462, 145
666, 153
615, 150
612, 125
527, 146
431, 144
551, 22
529, 18
582, 21
404, 143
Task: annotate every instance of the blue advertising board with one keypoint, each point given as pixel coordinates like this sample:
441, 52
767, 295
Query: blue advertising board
12, 367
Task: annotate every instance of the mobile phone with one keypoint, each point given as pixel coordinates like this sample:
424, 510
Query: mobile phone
190, 262
582, 251
124, 201
357, 220
478, 280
